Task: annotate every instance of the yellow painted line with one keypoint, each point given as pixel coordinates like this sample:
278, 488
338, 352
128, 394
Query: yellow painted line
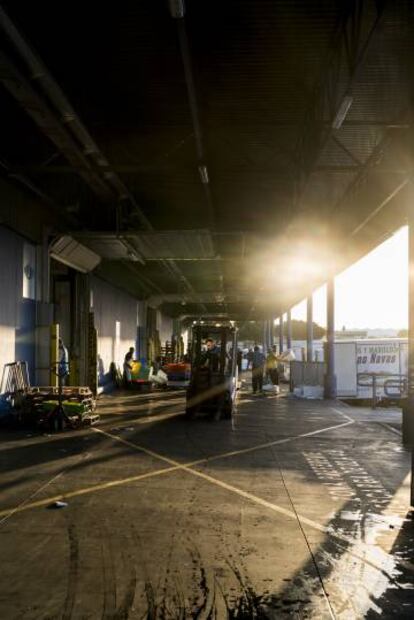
92, 489
276, 442
174, 466
344, 415
24, 503
155, 455
222, 455
328, 531
262, 502
391, 428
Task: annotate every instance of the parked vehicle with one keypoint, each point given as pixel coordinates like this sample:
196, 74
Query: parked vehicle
213, 382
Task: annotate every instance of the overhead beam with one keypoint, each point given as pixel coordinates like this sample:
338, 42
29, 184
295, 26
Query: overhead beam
214, 298
67, 140
330, 92
142, 169
25, 95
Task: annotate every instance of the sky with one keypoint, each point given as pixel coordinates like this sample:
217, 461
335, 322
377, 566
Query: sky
372, 293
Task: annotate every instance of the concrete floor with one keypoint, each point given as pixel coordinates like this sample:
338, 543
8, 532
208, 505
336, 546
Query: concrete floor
295, 509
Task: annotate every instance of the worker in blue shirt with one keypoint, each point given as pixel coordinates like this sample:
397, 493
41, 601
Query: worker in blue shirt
63, 359
258, 364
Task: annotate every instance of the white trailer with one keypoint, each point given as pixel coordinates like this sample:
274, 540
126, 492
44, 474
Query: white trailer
357, 361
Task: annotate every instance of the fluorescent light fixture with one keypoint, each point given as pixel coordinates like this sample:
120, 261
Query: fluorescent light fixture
177, 8
203, 174
342, 112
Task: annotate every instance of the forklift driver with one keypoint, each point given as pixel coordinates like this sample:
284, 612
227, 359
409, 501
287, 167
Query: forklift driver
211, 357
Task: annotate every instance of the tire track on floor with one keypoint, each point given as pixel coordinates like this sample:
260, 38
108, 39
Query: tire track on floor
73, 574
109, 575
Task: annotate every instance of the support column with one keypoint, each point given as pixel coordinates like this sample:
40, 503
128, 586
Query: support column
141, 344
281, 333
408, 410
44, 314
309, 328
330, 377
289, 330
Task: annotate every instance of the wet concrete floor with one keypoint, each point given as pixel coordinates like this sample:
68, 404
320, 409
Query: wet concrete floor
293, 509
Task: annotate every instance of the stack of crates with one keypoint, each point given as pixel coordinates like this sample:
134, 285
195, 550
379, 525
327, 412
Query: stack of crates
78, 404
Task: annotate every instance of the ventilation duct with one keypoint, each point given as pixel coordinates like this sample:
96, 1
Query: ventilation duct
73, 254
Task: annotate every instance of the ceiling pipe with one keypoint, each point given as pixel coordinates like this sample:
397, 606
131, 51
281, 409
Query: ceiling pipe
192, 100
69, 117
33, 104
39, 72
191, 91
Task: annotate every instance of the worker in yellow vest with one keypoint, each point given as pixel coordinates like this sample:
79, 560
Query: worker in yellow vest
271, 365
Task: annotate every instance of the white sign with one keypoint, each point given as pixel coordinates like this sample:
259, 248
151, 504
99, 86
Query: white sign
382, 358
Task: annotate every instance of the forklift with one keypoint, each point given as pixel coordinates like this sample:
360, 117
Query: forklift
213, 382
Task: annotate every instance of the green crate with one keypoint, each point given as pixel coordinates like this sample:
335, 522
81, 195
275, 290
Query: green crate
69, 407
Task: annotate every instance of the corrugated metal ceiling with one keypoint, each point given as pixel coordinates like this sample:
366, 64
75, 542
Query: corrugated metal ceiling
260, 67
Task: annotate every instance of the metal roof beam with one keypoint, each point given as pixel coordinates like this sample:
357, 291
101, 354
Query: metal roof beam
111, 185
328, 94
17, 85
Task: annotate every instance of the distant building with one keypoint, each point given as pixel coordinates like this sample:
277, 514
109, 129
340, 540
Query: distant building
351, 334
384, 333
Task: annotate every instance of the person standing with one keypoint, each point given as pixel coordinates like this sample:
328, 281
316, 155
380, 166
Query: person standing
129, 357
249, 356
63, 368
258, 364
271, 365
239, 361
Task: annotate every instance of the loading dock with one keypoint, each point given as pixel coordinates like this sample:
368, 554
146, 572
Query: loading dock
178, 161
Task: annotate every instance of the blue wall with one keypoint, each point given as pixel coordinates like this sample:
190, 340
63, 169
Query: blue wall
17, 315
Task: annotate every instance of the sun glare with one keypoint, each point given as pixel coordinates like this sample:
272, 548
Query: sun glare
372, 293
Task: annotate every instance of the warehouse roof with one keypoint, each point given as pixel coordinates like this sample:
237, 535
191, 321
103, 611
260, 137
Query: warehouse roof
274, 133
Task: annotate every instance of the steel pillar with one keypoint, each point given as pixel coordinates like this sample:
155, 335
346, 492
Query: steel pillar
309, 328
408, 410
281, 333
330, 377
289, 330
